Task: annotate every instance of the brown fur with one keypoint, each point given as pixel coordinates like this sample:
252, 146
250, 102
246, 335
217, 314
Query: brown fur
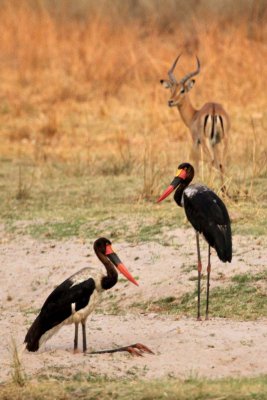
209, 126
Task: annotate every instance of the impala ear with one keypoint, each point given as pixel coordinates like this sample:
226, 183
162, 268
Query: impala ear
165, 84
189, 84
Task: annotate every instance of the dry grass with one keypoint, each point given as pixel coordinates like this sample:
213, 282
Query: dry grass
91, 387
81, 84
80, 87
18, 374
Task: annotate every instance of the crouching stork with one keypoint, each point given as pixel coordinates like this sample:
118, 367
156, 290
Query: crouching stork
207, 214
76, 298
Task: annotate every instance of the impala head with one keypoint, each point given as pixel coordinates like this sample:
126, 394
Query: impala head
104, 247
181, 88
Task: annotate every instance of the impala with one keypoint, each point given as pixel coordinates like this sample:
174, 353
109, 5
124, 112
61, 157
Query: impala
208, 126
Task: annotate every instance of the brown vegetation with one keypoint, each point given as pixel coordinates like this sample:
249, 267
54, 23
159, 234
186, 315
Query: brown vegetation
80, 82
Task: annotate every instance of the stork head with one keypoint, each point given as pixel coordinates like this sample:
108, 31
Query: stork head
104, 247
184, 175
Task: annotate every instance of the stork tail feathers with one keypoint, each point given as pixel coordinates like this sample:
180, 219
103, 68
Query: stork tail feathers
220, 238
225, 252
33, 335
223, 244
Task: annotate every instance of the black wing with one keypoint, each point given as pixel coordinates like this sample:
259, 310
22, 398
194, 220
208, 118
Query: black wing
58, 307
208, 215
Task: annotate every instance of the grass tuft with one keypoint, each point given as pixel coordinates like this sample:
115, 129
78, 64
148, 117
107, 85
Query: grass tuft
192, 388
244, 299
18, 374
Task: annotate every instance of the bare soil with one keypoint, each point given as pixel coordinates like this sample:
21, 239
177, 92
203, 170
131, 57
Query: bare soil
30, 269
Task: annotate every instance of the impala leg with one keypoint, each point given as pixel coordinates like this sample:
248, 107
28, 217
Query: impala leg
219, 150
208, 285
84, 337
195, 155
223, 188
76, 337
223, 163
199, 269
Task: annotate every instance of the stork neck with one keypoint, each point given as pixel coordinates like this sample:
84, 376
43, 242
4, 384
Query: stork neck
109, 280
187, 111
178, 195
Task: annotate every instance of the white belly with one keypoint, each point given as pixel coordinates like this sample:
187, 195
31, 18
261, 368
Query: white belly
82, 314
77, 316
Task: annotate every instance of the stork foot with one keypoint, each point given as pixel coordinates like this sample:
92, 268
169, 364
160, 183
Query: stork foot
136, 349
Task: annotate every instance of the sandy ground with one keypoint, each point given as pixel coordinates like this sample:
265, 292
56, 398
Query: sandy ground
30, 269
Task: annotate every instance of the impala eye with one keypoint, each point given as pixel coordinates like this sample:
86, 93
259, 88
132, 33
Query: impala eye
182, 90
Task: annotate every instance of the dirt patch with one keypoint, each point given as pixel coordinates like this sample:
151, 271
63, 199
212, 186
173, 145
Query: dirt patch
30, 269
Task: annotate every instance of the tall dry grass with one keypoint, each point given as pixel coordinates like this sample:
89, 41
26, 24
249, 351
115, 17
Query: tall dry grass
18, 374
80, 82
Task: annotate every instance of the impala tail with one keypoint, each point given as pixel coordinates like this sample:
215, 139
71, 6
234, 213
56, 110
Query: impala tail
214, 126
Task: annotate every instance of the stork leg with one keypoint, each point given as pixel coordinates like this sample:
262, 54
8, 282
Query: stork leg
84, 337
199, 269
76, 337
208, 285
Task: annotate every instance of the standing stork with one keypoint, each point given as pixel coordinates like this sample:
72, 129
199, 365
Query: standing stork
75, 298
207, 214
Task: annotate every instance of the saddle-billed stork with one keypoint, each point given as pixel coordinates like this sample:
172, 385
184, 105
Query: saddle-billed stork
207, 214
75, 298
